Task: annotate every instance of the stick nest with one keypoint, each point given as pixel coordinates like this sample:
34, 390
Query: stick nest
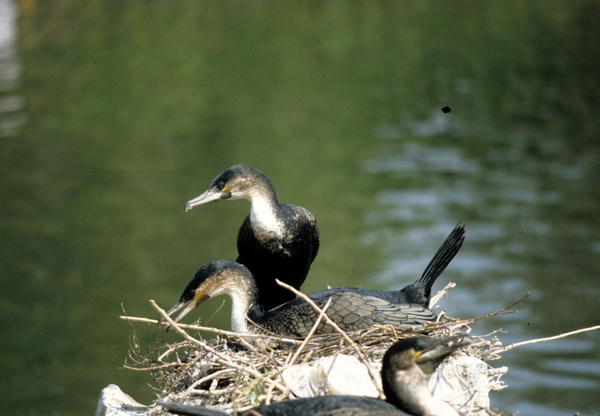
234, 371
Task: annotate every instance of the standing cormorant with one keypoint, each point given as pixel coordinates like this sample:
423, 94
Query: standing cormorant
406, 368
350, 308
276, 241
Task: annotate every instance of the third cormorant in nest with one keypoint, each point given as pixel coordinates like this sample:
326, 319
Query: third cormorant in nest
406, 368
276, 241
350, 308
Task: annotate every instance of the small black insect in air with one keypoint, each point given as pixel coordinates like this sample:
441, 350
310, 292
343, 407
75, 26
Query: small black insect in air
446, 109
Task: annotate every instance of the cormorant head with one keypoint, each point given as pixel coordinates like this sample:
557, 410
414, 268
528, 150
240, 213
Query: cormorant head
412, 361
236, 182
213, 279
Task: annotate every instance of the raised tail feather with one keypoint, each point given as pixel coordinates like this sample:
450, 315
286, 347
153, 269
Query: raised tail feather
442, 258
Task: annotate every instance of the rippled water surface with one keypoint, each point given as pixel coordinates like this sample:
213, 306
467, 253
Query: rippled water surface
114, 114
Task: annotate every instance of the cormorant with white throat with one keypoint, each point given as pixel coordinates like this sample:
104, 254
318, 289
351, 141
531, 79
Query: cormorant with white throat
276, 241
350, 308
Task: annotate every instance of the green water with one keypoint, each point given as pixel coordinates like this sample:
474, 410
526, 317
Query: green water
132, 108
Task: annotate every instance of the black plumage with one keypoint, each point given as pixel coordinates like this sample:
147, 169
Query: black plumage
350, 308
276, 241
406, 369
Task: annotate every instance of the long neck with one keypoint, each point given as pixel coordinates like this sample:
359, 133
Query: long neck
244, 297
264, 211
410, 393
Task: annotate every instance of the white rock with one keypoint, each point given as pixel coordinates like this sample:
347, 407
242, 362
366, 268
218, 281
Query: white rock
342, 374
113, 402
463, 382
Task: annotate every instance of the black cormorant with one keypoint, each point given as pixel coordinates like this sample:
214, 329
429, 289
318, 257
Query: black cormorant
276, 241
350, 308
406, 368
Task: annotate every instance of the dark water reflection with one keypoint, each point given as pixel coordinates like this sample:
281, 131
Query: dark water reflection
132, 108
523, 236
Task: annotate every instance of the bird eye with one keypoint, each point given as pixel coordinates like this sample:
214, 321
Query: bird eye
220, 186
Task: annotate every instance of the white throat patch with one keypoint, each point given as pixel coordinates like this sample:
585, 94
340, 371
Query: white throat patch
264, 218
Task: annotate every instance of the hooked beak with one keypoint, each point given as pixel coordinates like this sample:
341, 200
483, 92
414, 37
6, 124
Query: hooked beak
187, 306
428, 359
209, 195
